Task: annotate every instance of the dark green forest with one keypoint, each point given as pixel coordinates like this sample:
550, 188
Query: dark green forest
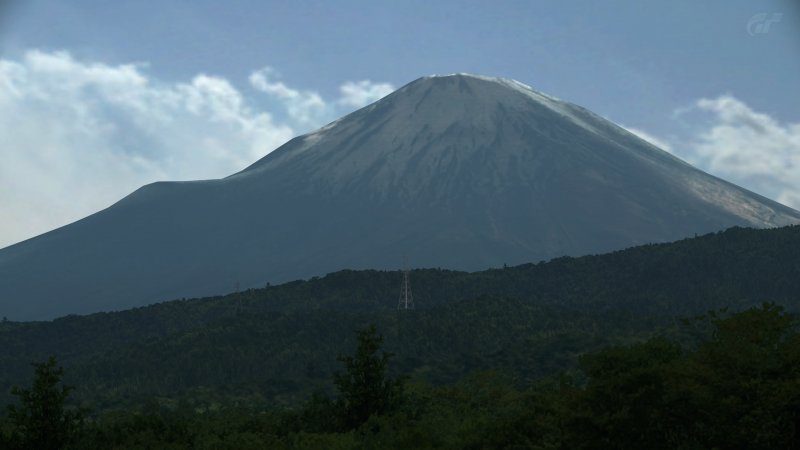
739, 387
570, 353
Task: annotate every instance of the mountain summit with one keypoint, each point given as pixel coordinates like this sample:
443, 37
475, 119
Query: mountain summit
457, 171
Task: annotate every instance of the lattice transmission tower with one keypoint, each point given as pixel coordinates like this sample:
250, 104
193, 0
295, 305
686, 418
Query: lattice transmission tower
406, 297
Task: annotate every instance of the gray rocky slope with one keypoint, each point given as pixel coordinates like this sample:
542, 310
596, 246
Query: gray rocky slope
458, 171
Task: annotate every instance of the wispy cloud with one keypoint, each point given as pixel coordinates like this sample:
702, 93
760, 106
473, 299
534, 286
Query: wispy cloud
660, 143
364, 92
305, 107
78, 135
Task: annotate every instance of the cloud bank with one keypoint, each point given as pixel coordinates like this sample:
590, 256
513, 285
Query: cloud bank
78, 136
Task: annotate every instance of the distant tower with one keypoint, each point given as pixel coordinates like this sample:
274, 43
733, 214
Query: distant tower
406, 298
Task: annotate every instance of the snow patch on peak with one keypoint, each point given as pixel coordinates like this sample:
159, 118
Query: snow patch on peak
511, 88
464, 75
506, 82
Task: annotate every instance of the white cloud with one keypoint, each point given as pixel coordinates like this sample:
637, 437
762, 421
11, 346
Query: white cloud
364, 92
305, 107
78, 136
751, 149
743, 146
660, 143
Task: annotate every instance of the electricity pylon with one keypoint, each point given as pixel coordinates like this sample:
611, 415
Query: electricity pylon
406, 298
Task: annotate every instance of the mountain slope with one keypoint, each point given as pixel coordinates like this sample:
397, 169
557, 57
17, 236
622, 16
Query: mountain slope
459, 171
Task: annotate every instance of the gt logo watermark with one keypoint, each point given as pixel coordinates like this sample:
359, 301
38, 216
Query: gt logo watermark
761, 22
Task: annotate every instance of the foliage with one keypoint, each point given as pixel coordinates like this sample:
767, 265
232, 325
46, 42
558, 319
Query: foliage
364, 388
740, 389
41, 420
736, 388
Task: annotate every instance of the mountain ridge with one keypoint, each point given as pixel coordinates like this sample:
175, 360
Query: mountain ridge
532, 319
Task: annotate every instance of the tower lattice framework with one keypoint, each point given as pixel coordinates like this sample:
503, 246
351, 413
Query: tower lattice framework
406, 297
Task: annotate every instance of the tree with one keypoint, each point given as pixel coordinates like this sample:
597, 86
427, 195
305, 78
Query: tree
747, 380
738, 389
626, 402
41, 421
364, 387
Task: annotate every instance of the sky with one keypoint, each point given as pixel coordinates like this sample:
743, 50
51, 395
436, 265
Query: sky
99, 98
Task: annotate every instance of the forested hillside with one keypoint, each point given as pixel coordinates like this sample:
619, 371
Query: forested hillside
736, 387
276, 345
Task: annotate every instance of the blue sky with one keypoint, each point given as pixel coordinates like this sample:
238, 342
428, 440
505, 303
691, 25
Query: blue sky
130, 92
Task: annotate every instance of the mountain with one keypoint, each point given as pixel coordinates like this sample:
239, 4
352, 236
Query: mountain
459, 171
279, 343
